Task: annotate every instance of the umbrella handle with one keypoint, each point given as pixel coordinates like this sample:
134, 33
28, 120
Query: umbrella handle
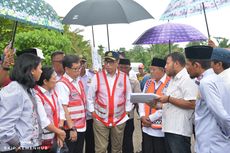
107, 27
170, 47
206, 21
93, 37
14, 33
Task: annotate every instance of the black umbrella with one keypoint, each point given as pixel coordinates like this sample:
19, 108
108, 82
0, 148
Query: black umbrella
96, 12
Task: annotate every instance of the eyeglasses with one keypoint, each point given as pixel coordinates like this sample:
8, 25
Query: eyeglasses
109, 62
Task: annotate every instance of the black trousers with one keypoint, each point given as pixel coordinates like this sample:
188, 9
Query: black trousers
89, 137
76, 146
153, 144
127, 146
178, 143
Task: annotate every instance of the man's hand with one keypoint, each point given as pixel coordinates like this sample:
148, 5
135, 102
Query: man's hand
8, 57
60, 143
146, 121
73, 135
163, 99
17, 149
61, 135
211, 43
152, 104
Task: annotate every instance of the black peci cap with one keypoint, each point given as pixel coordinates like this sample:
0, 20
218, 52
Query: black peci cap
198, 52
124, 61
158, 62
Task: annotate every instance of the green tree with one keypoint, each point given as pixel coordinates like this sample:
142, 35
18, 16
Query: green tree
196, 43
224, 43
47, 40
79, 46
101, 50
161, 50
6, 31
138, 54
122, 49
145, 55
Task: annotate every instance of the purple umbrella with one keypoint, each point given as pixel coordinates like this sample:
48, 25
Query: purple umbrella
170, 33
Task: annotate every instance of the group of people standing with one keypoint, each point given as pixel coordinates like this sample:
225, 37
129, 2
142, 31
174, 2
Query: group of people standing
194, 97
66, 105
46, 106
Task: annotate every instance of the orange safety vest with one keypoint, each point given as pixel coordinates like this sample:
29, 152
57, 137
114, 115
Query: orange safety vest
77, 104
110, 107
47, 137
150, 88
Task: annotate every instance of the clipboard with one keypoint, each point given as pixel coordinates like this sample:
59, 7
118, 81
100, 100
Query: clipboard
143, 97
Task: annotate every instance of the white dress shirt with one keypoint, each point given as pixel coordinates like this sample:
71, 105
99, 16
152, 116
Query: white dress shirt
41, 110
225, 75
177, 120
64, 93
86, 81
111, 79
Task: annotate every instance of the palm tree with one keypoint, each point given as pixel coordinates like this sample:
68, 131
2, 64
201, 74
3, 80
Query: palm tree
224, 43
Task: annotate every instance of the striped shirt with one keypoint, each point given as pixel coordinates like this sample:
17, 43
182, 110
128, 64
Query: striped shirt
177, 120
